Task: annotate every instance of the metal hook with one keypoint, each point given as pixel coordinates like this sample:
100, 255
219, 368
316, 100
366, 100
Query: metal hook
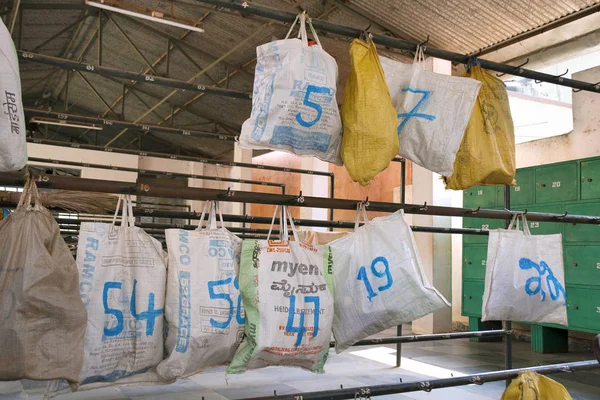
366, 202
424, 42
561, 217
557, 76
518, 66
597, 85
228, 193
423, 207
297, 199
477, 380
474, 210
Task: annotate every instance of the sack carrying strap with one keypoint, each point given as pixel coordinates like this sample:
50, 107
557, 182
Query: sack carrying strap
30, 193
419, 55
127, 218
283, 228
514, 223
212, 216
302, 35
361, 210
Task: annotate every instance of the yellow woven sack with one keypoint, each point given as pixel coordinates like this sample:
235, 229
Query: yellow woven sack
487, 152
369, 120
532, 386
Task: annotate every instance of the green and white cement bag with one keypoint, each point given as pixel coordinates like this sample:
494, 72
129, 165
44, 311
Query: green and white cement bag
286, 288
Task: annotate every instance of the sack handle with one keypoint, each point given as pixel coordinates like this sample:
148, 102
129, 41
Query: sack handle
419, 55
127, 218
212, 216
30, 192
361, 210
514, 223
302, 19
283, 229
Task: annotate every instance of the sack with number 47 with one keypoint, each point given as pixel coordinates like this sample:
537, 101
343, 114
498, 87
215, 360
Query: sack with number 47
378, 280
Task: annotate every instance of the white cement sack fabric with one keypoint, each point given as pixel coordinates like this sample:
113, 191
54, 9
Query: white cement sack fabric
294, 108
122, 284
42, 318
378, 280
13, 147
204, 312
433, 112
525, 276
286, 290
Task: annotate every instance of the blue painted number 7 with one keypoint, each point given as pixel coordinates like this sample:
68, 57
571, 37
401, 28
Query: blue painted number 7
312, 89
414, 112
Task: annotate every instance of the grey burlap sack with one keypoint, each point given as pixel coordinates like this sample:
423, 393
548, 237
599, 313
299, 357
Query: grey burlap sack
42, 317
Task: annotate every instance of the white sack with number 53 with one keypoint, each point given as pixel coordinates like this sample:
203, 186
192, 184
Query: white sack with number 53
122, 277
525, 276
294, 108
203, 308
378, 280
285, 287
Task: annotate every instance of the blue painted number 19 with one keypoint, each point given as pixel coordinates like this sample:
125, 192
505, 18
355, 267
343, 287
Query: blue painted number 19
312, 89
362, 276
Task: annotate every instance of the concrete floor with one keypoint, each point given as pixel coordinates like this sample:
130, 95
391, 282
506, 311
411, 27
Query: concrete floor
358, 367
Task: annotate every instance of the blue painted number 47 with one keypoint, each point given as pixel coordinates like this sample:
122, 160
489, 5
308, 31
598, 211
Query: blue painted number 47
362, 276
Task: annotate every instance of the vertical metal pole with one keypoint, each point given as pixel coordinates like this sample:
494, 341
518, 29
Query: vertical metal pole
172, 114
100, 38
66, 96
402, 201
168, 61
244, 223
331, 195
20, 42
507, 324
123, 102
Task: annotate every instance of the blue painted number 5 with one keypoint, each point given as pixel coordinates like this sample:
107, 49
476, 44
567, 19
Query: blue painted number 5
312, 89
362, 276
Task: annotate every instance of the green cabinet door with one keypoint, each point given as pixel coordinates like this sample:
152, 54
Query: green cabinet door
582, 232
545, 228
522, 193
480, 196
555, 183
480, 223
583, 308
472, 298
582, 265
590, 179
474, 262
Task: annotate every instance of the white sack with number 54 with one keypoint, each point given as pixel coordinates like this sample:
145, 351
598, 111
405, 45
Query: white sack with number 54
378, 280
294, 108
122, 275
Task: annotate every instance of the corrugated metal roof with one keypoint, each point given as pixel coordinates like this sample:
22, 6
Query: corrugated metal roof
454, 25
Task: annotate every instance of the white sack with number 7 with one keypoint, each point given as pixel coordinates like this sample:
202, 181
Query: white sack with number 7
378, 281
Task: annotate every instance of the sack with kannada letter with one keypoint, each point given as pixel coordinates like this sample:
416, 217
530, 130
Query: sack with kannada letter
378, 280
433, 112
286, 290
122, 276
370, 140
294, 108
42, 318
487, 152
524, 277
13, 147
203, 309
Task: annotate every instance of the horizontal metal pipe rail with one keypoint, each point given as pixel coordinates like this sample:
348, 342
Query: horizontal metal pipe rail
129, 75
477, 379
175, 157
274, 14
34, 112
142, 189
429, 338
155, 172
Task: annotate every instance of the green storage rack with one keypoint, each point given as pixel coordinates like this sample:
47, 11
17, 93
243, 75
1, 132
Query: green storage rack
568, 187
